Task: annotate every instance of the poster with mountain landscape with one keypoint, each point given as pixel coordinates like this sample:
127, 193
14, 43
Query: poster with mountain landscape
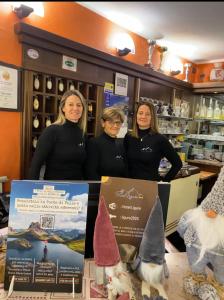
46, 236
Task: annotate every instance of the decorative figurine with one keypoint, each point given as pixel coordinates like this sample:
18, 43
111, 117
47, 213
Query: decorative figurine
106, 254
150, 263
161, 50
187, 71
152, 44
203, 234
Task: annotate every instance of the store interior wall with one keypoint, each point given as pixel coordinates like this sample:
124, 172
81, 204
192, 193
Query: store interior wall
69, 20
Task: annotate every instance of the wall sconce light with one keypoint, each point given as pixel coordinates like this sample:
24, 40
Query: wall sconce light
23, 11
124, 43
123, 52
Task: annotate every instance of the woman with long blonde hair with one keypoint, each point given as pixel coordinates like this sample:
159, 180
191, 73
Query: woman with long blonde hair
61, 146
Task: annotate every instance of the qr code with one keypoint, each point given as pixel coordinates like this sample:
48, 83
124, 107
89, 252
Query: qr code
47, 221
121, 82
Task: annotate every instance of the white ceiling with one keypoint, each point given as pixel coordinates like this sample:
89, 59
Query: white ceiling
194, 30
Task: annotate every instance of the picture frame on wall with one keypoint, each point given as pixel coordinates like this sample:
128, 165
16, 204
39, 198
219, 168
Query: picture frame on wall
10, 81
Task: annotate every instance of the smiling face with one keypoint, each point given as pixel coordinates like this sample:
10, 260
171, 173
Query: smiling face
73, 108
144, 117
111, 126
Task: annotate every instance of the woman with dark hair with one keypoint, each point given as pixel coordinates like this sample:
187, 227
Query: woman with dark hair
61, 146
105, 153
145, 147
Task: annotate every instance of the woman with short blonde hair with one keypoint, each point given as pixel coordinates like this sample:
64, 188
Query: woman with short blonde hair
105, 153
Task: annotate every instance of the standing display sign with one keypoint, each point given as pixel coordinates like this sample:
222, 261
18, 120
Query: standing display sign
46, 237
129, 202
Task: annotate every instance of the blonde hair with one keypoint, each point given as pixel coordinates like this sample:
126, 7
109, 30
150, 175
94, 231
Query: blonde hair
61, 116
153, 125
110, 113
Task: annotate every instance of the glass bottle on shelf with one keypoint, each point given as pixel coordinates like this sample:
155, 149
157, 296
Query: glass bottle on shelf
217, 111
90, 109
203, 109
222, 113
209, 114
72, 87
197, 111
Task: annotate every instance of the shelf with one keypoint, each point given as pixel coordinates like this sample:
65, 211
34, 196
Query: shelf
219, 139
212, 121
206, 162
174, 118
179, 133
36, 86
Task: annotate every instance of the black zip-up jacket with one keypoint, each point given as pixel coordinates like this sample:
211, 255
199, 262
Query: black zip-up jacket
62, 149
105, 157
144, 155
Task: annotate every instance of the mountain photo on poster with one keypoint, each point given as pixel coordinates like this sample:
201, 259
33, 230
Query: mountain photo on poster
46, 236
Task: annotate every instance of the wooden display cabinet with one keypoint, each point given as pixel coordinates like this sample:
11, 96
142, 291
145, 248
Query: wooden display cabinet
42, 95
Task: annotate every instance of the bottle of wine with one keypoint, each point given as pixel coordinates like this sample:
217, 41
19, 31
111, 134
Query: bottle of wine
217, 111
210, 110
203, 109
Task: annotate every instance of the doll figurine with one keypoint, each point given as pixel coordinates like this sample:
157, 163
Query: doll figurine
202, 229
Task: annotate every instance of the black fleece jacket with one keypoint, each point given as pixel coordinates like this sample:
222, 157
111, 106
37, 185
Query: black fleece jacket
62, 149
144, 155
105, 157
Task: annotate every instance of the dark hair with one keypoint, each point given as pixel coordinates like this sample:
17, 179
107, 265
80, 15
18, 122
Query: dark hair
153, 125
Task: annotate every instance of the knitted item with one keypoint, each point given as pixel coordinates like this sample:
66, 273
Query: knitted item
207, 292
191, 286
192, 283
215, 199
106, 252
152, 247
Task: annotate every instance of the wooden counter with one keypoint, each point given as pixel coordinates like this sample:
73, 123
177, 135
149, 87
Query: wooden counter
204, 175
206, 165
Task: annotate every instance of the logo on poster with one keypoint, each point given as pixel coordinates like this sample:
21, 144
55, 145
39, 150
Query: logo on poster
130, 194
